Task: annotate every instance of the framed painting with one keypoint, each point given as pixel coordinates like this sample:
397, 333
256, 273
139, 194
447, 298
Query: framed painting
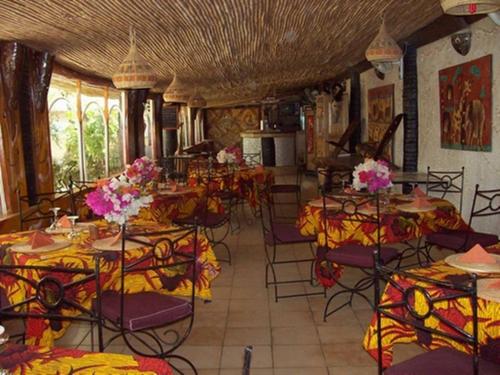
466, 105
380, 115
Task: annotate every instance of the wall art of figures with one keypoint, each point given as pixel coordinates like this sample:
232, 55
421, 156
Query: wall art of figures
380, 115
466, 105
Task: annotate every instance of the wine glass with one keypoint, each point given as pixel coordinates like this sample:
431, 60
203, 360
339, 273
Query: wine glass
73, 234
55, 211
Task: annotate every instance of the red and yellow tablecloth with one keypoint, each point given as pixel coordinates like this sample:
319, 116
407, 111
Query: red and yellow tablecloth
459, 312
22, 359
81, 255
166, 208
396, 226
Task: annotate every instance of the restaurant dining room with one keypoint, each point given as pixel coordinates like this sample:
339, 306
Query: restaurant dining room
264, 187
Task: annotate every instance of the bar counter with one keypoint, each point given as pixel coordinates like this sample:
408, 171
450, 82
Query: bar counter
277, 148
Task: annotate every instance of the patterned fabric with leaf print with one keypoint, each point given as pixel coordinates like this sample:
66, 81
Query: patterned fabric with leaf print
25, 360
396, 226
459, 312
81, 255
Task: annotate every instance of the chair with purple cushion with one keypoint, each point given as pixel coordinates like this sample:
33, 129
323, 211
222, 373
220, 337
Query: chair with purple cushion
286, 196
485, 204
445, 183
153, 323
280, 235
444, 360
354, 209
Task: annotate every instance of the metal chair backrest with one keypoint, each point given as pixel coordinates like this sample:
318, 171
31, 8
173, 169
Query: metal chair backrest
176, 166
79, 190
486, 203
429, 292
37, 208
333, 181
252, 158
341, 144
446, 182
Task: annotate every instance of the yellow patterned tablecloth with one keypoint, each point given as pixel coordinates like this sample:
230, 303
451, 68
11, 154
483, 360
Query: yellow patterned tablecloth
81, 255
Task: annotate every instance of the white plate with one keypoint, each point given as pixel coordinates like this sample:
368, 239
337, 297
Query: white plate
410, 208
489, 294
26, 248
454, 261
105, 244
79, 227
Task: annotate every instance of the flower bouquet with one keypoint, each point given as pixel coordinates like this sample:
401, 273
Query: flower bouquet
142, 171
230, 155
372, 175
117, 199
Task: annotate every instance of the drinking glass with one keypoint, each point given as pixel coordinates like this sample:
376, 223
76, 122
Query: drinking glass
73, 234
55, 211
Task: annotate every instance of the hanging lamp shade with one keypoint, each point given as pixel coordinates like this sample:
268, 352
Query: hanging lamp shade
176, 92
134, 72
383, 48
197, 101
469, 7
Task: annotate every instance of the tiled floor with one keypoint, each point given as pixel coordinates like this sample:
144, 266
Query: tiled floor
289, 337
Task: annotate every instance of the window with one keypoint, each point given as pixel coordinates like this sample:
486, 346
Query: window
148, 128
86, 131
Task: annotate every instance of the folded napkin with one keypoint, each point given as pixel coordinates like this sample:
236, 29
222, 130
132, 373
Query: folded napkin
417, 192
494, 285
421, 202
64, 222
40, 239
116, 239
477, 255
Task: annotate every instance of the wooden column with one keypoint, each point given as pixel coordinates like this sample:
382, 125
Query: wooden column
11, 148
355, 110
157, 131
135, 124
410, 108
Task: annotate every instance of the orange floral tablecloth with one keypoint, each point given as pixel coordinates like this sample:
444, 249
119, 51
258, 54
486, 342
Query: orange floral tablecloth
458, 312
166, 208
245, 182
22, 359
81, 255
396, 226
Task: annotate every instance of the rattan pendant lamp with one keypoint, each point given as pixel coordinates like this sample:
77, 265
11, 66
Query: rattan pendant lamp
134, 72
470, 7
176, 92
383, 51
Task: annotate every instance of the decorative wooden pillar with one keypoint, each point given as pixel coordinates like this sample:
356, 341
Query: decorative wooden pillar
355, 110
135, 124
11, 153
157, 131
410, 108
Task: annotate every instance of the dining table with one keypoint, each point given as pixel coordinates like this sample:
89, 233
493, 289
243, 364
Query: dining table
80, 253
399, 223
458, 312
20, 359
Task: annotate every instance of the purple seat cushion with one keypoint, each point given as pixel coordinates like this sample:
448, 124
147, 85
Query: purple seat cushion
144, 310
283, 188
442, 361
286, 233
461, 240
360, 256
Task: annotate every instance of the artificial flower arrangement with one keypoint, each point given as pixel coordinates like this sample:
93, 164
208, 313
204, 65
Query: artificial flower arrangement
372, 175
230, 155
142, 171
117, 199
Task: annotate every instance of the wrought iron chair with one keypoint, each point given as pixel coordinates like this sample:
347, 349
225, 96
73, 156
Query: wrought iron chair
218, 186
459, 241
154, 324
356, 209
50, 292
247, 359
281, 195
176, 167
252, 158
330, 181
36, 209
443, 183
445, 360
79, 190
282, 235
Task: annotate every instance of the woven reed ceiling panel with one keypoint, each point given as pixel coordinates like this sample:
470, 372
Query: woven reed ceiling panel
233, 50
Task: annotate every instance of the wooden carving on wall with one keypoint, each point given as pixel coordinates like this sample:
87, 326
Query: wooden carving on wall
462, 42
380, 115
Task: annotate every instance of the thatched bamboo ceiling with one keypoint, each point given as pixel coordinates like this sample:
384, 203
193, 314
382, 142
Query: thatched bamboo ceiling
230, 49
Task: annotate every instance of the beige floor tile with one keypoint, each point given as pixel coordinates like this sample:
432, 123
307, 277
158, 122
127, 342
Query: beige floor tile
304, 335
253, 371
290, 304
249, 318
203, 357
298, 356
247, 336
403, 352
203, 307
221, 292
249, 292
206, 336
301, 371
232, 357
248, 304
291, 318
208, 371
346, 354
212, 319
339, 334
353, 370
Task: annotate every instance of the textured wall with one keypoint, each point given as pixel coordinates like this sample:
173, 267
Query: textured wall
225, 124
480, 167
368, 81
